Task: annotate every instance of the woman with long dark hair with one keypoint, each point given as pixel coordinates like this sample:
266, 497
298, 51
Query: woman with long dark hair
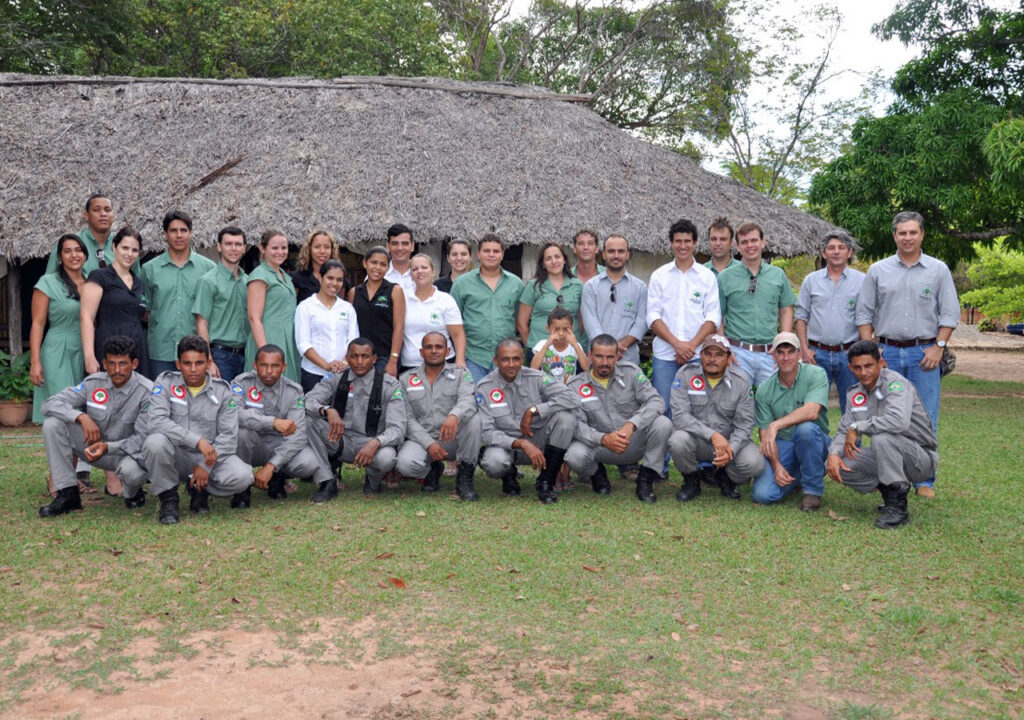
319, 247
380, 308
553, 286
324, 326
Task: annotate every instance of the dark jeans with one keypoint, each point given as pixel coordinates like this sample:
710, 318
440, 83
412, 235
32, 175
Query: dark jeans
231, 364
309, 380
159, 366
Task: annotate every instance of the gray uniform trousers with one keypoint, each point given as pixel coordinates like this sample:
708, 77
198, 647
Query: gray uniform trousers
168, 465
689, 450
383, 462
413, 460
557, 430
258, 448
891, 460
64, 439
650, 444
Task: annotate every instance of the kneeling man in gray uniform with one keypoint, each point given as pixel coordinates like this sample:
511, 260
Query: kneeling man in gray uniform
442, 420
621, 419
713, 416
526, 417
884, 406
96, 421
193, 426
357, 416
272, 424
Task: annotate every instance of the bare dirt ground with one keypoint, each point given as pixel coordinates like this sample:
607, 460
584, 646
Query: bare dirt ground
990, 365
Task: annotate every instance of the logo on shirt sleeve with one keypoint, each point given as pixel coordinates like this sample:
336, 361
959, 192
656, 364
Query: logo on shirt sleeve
641, 377
397, 394
300, 402
547, 380
157, 390
479, 398
80, 387
677, 383
895, 386
237, 389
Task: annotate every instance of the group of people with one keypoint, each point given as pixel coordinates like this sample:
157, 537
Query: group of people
256, 378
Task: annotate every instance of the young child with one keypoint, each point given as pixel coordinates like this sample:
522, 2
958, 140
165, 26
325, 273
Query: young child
560, 356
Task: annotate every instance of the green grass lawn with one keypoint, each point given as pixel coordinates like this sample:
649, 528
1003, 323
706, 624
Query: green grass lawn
714, 609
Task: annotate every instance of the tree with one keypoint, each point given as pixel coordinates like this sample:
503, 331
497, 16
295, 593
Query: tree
950, 146
998, 279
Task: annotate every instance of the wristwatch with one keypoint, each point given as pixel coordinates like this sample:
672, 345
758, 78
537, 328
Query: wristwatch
941, 343
534, 411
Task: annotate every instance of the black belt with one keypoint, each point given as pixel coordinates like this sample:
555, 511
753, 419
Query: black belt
829, 348
905, 343
236, 350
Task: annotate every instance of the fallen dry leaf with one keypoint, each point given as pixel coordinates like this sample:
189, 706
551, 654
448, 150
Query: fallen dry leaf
411, 693
235, 601
591, 569
832, 514
421, 513
96, 625
846, 587
398, 583
449, 576
384, 556
6, 569
676, 637
381, 583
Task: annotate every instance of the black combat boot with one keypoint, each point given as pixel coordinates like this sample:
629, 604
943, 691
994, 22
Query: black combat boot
510, 482
645, 480
553, 457
894, 513
431, 482
242, 500
464, 481
67, 499
725, 484
599, 481
690, 488
199, 500
136, 501
371, 487
275, 488
168, 507
326, 491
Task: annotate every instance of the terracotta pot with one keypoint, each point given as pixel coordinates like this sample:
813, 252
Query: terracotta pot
14, 413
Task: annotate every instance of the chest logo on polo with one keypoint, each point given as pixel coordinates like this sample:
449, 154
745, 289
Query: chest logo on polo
178, 391
435, 319
415, 382
254, 394
586, 391
497, 396
926, 292
100, 396
895, 386
859, 399
697, 383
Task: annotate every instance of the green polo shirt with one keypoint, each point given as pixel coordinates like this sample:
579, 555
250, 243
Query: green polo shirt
221, 298
487, 315
171, 291
710, 265
774, 400
545, 299
753, 317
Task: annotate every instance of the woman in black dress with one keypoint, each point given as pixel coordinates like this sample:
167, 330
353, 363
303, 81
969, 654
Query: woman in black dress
113, 303
380, 310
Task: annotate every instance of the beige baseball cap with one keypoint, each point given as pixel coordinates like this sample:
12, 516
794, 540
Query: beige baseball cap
786, 338
720, 340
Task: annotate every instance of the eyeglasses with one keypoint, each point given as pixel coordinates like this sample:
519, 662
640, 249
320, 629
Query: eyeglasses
753, 285
613, 293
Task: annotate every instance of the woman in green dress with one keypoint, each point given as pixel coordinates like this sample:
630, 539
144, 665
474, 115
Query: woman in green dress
57, 359
271, 304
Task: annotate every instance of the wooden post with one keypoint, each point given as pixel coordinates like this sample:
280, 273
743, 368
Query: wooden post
14, 306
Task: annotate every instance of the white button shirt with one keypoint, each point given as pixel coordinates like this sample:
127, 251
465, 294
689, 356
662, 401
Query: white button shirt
683, 301
328, 330
402, 280
435, 313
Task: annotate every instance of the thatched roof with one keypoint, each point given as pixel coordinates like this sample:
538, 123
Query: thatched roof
354, 155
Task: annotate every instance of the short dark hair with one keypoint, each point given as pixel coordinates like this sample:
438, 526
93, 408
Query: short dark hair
193, 343
116, 345
230, 230
271, 349
95, 196
721, 224
332, 264
434, 332
559, 313
173, 215
361, 342
683, 226
604, 340
398, 229
864, 347
490, 238
126, 232
750, 227
508, 342
377, 250
585, 231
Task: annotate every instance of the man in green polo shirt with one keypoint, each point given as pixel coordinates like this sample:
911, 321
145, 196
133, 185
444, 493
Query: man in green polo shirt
99, 221
487, 298
170, 280
756, 302
791, 408
220, 306
720, 244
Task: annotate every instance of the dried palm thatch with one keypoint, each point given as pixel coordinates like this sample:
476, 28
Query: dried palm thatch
354, 155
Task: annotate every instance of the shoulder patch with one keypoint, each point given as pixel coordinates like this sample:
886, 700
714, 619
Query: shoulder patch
469, 376
641, 377
300, 402
157, 390
479, 398
80, 387
397, 394
895, 386
546, 380
232, 403
677, 383
237, 389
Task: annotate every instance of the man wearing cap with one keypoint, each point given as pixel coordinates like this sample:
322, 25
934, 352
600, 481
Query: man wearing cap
443, 422
526, 417
884, 406
621, 419
791, 408
825, 311
757, 302
713, 415
908, 302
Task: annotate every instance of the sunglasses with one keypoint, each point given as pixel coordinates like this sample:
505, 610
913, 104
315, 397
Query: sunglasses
753, 285
613, 294
100, 258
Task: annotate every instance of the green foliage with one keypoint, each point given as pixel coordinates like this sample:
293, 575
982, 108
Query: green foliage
15, 383
796, 268
998, 276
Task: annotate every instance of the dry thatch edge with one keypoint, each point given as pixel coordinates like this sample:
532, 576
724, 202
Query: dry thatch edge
353, 82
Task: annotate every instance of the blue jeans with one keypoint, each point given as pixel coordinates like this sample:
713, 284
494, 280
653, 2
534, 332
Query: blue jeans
836, 365
804, 459
159, 366
906, 361
478, 371
758, 366
230, 364
663, 372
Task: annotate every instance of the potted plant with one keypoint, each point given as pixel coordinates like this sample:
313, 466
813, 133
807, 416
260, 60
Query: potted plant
15, 389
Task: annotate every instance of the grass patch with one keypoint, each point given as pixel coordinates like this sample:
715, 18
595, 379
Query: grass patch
595, 606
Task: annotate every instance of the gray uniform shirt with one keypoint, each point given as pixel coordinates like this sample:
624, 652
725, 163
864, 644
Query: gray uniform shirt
629, 397
727, 408
115, 410
428, 406
502, 404
211, 415
908, 303
390, 430
626, 316
259, 405
893, 407
830, 308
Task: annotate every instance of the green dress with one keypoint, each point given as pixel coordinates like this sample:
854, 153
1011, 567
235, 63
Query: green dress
61, 351
278, 318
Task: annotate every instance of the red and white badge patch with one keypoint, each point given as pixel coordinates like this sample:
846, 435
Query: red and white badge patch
586, 390
100, 396
859, 399
178, 391
497, 396
697, 383
254, 394
415, 381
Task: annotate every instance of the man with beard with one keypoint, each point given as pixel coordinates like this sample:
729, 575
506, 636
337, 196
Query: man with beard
615, 302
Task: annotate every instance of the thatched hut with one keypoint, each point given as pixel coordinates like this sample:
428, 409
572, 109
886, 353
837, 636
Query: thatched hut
451, 160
